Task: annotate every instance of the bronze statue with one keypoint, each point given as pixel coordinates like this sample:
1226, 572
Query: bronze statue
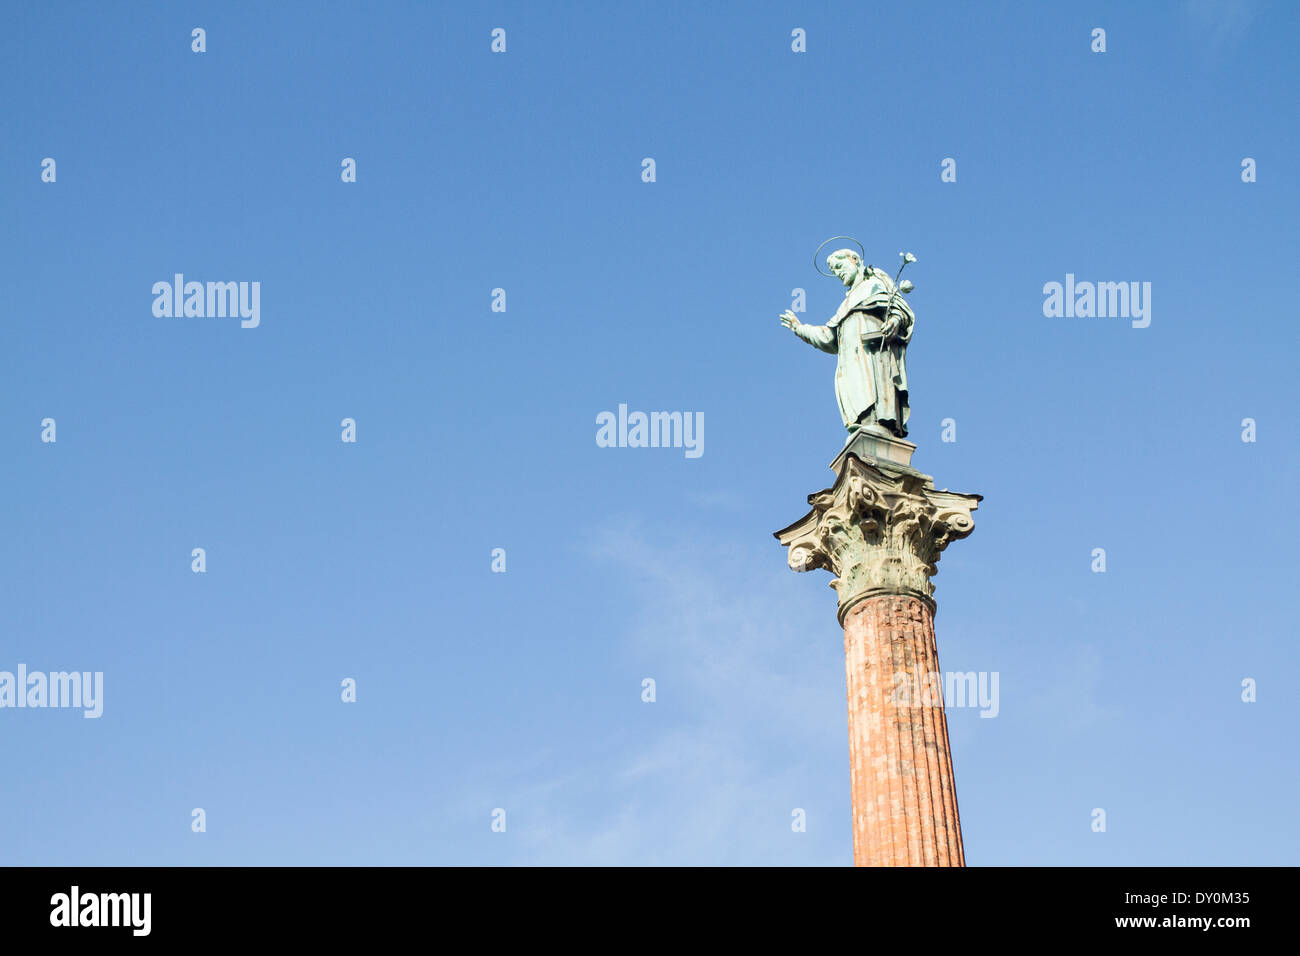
869, 333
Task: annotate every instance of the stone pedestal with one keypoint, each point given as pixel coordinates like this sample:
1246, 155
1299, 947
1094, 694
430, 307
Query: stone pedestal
880, 529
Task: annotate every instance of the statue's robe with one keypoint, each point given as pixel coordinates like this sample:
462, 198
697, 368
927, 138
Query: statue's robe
870, 381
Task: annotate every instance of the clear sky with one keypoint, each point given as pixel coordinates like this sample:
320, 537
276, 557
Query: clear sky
476, 429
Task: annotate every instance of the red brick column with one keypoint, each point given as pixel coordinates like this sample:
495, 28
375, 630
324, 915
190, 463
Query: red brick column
904, 798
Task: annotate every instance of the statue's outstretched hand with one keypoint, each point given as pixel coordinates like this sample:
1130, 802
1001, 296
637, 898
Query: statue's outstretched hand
790, 320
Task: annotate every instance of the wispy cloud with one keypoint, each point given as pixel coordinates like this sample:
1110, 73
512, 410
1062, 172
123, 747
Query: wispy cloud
1221, 23
750, 719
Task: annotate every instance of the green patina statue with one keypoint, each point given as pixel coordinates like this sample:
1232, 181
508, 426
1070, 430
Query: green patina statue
869, 333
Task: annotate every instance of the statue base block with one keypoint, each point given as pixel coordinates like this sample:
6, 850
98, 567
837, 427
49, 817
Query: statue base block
876, 446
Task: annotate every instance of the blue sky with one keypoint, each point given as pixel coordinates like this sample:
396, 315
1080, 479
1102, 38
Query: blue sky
476, 429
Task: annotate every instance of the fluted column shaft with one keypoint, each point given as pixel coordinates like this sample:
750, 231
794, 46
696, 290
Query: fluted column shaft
904, 797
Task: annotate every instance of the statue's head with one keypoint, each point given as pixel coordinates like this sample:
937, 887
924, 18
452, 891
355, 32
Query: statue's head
845, 265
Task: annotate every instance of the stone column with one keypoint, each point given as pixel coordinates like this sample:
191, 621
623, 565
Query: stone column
880, 529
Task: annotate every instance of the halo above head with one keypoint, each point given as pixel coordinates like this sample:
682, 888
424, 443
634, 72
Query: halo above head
862, 254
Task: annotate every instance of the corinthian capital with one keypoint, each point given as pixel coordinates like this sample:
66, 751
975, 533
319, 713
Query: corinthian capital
878, 532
